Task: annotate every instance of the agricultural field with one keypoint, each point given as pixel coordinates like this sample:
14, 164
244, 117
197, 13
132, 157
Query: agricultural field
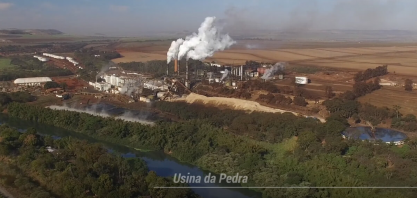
390, 96
400, 57
5, 63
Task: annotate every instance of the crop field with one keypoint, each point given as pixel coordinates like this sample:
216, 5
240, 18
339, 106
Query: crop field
399, 57
5, 63
390, 96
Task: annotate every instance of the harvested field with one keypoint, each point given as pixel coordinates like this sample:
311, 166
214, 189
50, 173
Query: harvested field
400, 58
390, 96
138, 56
72, 83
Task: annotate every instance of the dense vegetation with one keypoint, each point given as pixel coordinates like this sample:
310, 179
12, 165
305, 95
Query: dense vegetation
75, 169
259, 145
371, 73
22, 97
27, 66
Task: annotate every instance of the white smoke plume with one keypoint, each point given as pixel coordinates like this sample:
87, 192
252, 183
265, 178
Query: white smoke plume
269, 73
225, 74
174, 49
94, 110
201, 45
105, 68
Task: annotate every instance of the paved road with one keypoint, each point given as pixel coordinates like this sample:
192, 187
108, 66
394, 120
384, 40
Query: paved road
5, 193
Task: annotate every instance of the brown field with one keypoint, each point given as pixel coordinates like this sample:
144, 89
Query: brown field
390, 96
72, 83
401, 58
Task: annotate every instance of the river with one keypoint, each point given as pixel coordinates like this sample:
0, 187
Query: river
163, 164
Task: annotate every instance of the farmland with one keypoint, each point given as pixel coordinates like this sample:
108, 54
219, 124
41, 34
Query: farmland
399, 56
390, 96
5, 63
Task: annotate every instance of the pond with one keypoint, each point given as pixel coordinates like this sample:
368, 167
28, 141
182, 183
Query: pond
383, 134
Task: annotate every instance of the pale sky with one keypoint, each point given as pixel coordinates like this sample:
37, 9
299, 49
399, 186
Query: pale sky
133, 17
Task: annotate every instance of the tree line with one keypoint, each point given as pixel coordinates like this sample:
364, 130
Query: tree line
74, 169
259, 145
371, 73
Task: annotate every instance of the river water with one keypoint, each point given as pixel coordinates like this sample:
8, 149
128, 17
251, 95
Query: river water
162, 164
383, 134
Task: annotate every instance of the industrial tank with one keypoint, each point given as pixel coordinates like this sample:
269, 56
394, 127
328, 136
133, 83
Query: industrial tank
217, 80
234, 84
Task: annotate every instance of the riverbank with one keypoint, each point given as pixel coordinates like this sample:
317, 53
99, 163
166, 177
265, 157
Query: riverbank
163, 164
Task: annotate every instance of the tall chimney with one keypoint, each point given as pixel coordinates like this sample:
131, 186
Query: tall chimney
186, 69
176, 65
241, 72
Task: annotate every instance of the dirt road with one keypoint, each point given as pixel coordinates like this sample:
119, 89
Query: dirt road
4, 192
235, 104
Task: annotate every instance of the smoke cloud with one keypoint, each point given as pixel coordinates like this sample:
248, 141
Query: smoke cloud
105, 68
225, 74
173, 50
269, 73
94, 110
201, 45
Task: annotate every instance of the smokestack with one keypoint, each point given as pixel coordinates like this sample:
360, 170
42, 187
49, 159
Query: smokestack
176, 65
241, 72
186, 69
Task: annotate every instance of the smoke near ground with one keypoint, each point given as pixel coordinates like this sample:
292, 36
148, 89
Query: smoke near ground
225, 74
94, 110
269, 73
201, 45
105, 68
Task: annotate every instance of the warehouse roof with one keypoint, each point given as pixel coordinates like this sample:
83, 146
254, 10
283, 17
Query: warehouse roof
32, 80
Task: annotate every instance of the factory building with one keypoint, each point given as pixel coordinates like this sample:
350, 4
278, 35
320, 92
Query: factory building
72, 61
155, 85
43, 59
101, 86
36, 81
53, 56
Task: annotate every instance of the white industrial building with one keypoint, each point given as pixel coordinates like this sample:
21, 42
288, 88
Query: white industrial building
72, 61
101, 86
36, 81
301, 80
53, 56
40, 58
154, 85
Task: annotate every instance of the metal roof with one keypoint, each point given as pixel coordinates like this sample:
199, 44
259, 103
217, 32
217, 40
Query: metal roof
32, 80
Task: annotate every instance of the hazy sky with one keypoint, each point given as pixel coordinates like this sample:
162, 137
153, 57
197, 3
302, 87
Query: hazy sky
133, 17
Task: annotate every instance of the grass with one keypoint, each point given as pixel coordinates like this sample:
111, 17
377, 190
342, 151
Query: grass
390, 96
5, 63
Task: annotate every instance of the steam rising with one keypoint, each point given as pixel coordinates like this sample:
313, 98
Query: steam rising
93, 110
201, 45
173, 50
105, 67
225, 74
269, 73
